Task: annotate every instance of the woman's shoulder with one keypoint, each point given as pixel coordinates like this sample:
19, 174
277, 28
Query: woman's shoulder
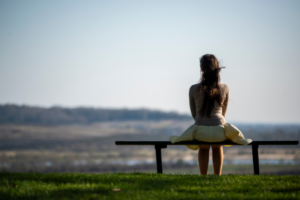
193, 88
224, 87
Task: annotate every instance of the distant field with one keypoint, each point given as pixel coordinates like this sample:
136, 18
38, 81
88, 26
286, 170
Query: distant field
91, 147
146, 186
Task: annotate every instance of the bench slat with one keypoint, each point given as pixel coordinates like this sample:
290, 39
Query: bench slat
228, 142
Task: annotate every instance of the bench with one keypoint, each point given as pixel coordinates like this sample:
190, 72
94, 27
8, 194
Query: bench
158, 145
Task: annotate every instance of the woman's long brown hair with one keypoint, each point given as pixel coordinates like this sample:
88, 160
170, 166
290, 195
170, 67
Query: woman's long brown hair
209, 83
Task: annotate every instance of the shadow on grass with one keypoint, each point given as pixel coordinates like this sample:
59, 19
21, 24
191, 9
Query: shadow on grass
99, 193
286, 190
61, 194
64, 178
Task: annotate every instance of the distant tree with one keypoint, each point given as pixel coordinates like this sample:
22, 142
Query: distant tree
15, 114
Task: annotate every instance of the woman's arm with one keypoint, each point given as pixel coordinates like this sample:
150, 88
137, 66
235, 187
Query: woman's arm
192, 103
225, 104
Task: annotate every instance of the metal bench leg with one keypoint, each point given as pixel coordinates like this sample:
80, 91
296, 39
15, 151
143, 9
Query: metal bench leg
158, 157
255, 159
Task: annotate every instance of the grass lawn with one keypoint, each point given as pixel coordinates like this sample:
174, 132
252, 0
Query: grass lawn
146, 186
239, 169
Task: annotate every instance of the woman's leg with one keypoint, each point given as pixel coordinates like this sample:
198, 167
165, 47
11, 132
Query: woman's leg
217, 158
203, 157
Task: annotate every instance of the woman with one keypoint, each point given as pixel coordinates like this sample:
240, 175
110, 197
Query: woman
208, 103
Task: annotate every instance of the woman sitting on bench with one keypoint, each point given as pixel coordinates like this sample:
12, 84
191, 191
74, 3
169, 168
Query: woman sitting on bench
208, 103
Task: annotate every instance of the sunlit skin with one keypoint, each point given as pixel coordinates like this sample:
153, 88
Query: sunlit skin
203, 158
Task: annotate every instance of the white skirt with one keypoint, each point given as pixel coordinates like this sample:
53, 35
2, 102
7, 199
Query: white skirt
218, 133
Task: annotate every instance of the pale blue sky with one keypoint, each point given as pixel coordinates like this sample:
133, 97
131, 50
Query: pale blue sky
145, 54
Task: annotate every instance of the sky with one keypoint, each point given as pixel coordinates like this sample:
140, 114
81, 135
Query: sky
145, 54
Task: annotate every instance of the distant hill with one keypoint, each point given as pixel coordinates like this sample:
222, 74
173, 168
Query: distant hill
15, 114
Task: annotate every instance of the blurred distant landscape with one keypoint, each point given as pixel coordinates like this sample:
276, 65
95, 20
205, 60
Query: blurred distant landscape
36, 139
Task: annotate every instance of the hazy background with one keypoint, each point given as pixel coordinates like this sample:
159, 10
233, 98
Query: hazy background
76, 76
145, 54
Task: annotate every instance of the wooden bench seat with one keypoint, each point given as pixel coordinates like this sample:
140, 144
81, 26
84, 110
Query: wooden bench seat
158, 145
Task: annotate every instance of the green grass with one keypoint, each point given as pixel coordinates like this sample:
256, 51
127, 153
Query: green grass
146, 186
240, 169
